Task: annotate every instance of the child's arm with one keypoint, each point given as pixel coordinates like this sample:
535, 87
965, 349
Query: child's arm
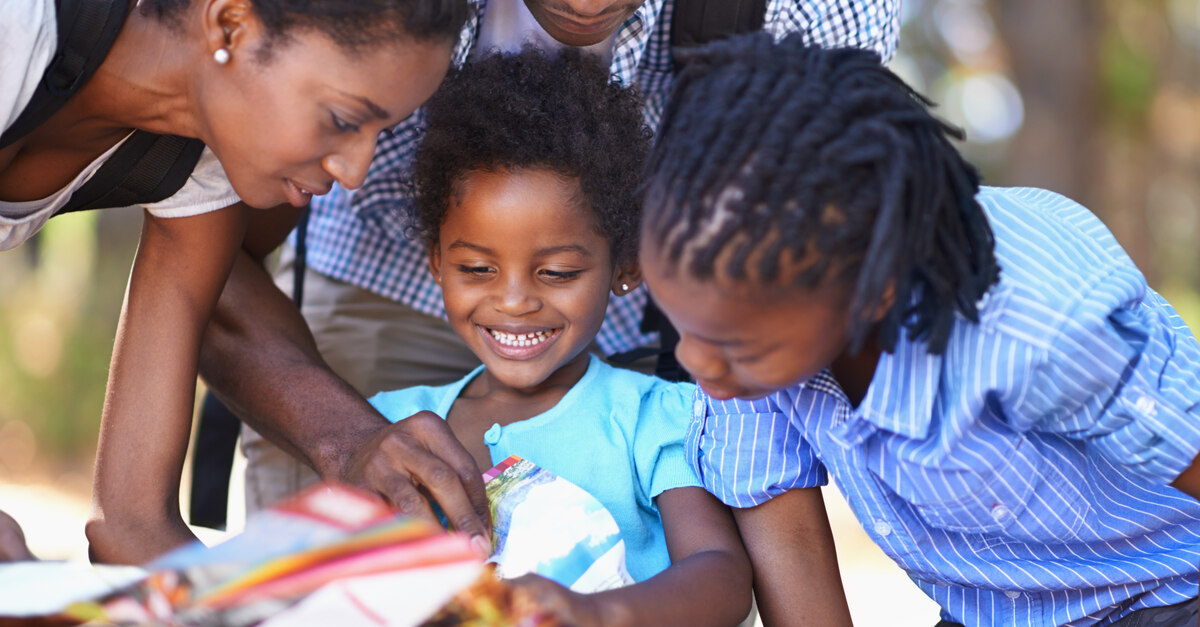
796, 577
177, 275
708, 582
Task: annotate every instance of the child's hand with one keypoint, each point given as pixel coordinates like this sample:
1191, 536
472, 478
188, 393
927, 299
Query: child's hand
571, 608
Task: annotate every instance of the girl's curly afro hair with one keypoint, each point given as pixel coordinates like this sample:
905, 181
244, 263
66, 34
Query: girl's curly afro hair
562, 113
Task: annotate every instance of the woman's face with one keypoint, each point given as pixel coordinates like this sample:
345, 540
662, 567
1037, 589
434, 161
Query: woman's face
287, 125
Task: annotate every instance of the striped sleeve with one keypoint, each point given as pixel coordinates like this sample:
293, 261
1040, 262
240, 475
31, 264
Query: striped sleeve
1124, 375
747, 452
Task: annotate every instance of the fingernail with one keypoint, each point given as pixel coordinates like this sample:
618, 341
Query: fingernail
481, 546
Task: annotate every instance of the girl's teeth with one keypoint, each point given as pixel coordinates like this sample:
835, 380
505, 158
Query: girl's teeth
520, 339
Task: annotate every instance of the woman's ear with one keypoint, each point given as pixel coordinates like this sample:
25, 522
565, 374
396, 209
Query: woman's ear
229, 25
625, 280
435, 263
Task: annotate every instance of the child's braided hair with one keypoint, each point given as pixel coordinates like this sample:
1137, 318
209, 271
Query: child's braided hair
771, 152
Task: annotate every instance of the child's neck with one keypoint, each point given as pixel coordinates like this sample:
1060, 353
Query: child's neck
487, 401
855, 371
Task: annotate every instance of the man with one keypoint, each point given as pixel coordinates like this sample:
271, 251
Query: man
375, 311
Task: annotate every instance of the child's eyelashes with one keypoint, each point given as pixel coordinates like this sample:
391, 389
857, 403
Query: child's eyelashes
474, 270
561, 275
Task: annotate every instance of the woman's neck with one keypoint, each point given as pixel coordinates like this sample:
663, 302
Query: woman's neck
143, 82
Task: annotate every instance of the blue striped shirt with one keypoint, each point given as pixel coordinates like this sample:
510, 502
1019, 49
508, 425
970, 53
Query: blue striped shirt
1020, 478
359, 237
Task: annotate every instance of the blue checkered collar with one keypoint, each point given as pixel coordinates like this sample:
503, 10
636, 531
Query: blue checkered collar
629, 44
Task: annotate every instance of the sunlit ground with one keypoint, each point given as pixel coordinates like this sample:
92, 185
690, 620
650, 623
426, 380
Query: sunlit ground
52, 511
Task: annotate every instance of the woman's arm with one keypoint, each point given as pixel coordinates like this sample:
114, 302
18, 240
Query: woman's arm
796, 577
178, 273
285, 391
708, 582
12, 541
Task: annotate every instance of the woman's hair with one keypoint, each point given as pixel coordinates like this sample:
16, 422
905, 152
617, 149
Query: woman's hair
562, 112
787, 162
352, 24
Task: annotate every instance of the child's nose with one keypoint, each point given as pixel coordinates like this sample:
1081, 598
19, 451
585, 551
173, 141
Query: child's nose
702, 363
517, 298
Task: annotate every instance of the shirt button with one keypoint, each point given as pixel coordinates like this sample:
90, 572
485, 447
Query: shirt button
697, 408
1012, 594
1145, 406
1001, 513
883, 528
492, 435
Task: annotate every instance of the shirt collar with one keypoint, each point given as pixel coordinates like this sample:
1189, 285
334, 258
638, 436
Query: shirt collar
633, 38
901, 395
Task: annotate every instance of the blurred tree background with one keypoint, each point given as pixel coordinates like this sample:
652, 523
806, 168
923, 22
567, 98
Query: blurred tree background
1096, 99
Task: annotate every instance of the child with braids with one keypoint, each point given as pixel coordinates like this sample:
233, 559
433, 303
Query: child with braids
526, 183
1012, 414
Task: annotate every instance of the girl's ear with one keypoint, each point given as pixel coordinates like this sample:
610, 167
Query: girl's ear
435, 263
625, 280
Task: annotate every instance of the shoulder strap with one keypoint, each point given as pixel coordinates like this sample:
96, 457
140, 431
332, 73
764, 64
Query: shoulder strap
696, 22
146, 168
86, 31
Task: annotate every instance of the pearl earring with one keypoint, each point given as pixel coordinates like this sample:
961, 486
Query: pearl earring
221, 56
624, 287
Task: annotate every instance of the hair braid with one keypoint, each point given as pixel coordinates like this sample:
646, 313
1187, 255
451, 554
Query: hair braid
775, 151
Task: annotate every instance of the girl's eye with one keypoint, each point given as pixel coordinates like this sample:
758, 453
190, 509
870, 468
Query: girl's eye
561, 276
343, 125
476, 270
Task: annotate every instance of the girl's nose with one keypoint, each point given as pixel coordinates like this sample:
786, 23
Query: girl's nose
516, 297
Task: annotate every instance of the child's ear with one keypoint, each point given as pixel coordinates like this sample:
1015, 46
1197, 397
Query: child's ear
435, 263
885, 302
625, 280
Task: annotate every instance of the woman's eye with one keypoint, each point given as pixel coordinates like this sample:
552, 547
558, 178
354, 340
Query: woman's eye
343, 125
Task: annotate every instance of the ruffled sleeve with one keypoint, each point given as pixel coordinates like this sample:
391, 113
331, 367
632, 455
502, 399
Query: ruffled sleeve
658, 450
747, 452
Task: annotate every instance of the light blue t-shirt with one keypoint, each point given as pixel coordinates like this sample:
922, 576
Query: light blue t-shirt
617, 434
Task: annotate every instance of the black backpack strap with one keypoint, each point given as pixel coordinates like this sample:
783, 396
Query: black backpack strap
146, 168
697, 22
86, 31
693, 23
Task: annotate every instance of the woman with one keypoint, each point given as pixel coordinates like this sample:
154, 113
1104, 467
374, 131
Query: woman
289, 97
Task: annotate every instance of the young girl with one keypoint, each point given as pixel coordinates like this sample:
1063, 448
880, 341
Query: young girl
525, 183
1004, 402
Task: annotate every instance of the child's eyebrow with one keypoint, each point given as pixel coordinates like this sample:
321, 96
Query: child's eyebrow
565, 248
465, 244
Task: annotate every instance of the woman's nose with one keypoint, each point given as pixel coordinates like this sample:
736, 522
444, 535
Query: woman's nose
349, 166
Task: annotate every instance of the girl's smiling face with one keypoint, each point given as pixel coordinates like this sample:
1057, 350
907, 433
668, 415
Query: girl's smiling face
525, 274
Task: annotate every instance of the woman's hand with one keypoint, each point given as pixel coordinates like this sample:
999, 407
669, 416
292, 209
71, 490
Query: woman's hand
12, 541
